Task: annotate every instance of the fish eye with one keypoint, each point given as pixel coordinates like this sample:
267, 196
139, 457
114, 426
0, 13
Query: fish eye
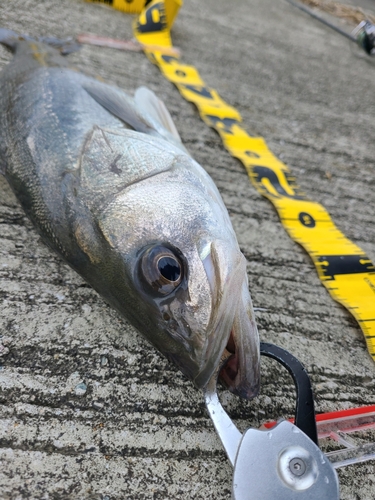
169, 268
162, 269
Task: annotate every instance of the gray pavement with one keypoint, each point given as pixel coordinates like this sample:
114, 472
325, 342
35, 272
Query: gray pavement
88, 409
367, 6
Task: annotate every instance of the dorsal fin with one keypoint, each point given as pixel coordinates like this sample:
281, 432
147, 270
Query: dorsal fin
127, 109
151, 104
10, 40
119, 104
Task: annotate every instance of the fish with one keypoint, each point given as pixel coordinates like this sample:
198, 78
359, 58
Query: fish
110, 187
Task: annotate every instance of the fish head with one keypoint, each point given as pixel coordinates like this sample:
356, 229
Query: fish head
185, 284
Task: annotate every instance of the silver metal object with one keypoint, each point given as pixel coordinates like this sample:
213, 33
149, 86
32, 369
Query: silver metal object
364, 34
280, 463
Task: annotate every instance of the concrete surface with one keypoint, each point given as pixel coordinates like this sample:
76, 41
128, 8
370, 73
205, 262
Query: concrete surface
367, 6
88, 409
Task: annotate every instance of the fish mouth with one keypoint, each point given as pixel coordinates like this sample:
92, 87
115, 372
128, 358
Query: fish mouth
239, 375
238, 363
234, 347
240, 372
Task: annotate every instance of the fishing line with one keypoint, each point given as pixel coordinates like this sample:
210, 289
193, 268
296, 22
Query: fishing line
363, 34
322, 20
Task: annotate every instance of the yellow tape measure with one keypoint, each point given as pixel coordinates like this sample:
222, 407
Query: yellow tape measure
343, 267
129, 6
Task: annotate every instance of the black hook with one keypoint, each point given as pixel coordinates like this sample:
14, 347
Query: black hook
305, 412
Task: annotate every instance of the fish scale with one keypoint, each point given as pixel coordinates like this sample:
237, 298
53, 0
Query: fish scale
106, 180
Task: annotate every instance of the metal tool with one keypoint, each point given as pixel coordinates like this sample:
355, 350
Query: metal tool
282, 462
363, 34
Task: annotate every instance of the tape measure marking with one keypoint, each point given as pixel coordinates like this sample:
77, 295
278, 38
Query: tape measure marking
342, 266
129, 6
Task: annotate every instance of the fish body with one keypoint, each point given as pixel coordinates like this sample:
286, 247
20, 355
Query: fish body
110, 187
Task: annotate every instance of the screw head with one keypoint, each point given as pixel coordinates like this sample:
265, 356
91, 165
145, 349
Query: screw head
297, 466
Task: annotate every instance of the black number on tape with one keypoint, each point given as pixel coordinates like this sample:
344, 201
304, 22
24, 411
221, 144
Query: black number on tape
267, 173
169, 59
150, 25
306, 219
251, 154
222, 124
345, 264
202, 91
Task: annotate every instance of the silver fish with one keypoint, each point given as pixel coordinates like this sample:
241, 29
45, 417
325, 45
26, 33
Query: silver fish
110, 187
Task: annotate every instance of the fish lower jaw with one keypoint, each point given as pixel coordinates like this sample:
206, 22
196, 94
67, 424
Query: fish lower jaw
231, 372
